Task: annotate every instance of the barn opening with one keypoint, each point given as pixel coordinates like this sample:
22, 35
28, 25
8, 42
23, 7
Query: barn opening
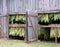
17, 26
49, 28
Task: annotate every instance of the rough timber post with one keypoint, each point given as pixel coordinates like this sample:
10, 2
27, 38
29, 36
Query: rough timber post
26, 33
5, 19
56, 33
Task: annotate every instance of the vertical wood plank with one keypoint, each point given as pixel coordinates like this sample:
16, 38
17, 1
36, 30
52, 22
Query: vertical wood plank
54, 4
59, 4
5, 18
56, 34
1, 28
4, 7
4, 26
26, 33
43, 5
1, 2
21, 6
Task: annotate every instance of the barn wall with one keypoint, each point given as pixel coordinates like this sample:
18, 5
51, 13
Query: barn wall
15, 6
43, 5
4, 7
4, 26
48, 5
31, 4
54, 4
21, 6
4, 19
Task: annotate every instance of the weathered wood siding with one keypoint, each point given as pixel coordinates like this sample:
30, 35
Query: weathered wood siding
31, 4
15, 6
4, 7
3, 26
49, 5
54, 4
43, 5
4, 19
21, 6
1, 6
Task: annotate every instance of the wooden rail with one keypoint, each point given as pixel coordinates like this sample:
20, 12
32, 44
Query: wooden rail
17, 25
52, 25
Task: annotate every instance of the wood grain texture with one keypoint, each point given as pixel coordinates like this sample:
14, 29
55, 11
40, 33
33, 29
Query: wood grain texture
21, 6
1, 1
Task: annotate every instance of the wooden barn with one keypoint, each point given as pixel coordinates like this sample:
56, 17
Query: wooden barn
30, 9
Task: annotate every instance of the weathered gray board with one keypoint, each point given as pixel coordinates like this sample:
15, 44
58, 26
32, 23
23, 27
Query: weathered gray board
4, 26
32, 26
44, 5
4, 8
16, 6
1, 33
1, 1
54, 4
21, 6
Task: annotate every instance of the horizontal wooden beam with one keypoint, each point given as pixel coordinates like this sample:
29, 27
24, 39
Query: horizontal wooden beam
48, 11
52, 25
38, 11
16, 13
17, 25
